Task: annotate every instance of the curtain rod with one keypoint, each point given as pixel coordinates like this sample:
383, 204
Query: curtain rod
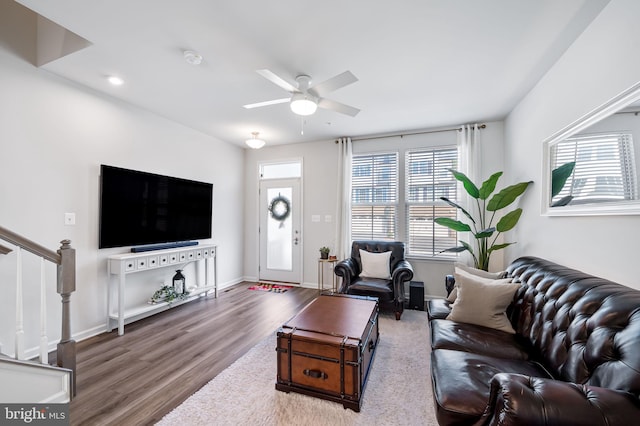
366, 138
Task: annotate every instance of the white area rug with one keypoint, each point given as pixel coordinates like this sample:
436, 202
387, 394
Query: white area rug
398, 391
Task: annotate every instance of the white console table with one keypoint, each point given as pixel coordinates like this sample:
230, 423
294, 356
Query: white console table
121, 265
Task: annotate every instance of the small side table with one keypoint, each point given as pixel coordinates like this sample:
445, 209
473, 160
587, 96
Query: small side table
321, 267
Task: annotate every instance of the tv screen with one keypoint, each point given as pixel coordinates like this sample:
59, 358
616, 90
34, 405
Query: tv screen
138, 208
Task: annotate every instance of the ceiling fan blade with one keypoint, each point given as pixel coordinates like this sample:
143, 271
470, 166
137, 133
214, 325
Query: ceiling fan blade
338, 107
334, 83
267, 103
278, 81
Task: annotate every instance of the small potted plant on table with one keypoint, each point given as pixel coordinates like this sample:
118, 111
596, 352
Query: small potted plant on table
324, 252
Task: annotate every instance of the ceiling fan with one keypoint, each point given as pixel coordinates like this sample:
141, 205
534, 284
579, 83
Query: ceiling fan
305, 99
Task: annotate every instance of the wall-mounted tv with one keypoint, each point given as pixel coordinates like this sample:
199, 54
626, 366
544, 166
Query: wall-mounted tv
139, 208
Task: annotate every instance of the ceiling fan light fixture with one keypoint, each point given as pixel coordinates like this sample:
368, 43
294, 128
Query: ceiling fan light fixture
303, 104
254, 142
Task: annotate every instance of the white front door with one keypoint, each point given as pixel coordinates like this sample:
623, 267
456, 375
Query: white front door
280, 231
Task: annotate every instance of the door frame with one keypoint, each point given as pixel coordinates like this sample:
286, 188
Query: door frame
301, 207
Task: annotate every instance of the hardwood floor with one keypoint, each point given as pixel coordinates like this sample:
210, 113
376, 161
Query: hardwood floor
137, 378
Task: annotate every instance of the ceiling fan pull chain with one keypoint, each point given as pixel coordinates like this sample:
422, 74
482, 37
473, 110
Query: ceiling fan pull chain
302, 125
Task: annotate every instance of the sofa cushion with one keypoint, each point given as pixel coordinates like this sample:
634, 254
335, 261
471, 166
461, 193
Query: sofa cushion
438, 308
483, 302
477, 339
375, 265
461, 382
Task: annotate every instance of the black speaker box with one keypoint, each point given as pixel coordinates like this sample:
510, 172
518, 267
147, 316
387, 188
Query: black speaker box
416, 295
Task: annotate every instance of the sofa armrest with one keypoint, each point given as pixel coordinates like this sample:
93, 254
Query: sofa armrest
347, 269
516, 399
402, 273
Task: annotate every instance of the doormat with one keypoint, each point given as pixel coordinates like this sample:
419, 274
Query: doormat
273, 288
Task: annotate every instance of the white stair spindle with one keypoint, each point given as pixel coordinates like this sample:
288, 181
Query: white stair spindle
44, 342
19, 350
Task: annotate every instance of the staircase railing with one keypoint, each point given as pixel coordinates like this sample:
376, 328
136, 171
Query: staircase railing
65, 260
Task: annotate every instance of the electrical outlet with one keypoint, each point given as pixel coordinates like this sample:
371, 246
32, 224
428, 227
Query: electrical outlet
69, 218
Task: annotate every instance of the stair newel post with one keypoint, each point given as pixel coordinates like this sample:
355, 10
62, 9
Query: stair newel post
66, 350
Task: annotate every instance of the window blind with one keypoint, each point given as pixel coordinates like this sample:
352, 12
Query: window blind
427, 179
374, 196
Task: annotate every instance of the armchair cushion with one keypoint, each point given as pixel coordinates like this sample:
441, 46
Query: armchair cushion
375, 265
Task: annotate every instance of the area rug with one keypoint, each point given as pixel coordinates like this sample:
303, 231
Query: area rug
273, 288
398, 391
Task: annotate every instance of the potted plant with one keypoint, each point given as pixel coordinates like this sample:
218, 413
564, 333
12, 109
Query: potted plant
481, 225
324, 252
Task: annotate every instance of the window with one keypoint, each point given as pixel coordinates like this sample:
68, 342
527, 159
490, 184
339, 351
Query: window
385, 207
604, 168
291, 169
427, 179
374, 196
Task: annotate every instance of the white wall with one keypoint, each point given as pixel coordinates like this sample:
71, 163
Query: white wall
603, 62
319, 189
53, 137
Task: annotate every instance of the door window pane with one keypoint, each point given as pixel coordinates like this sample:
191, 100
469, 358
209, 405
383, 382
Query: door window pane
279, 229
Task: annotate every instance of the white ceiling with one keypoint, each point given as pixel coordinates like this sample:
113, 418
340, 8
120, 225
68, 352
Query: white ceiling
420, 63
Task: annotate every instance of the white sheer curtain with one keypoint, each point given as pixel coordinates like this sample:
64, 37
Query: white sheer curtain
469, 164
343, 201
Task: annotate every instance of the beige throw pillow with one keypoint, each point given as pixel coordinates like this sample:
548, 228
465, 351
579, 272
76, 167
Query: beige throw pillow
375, 265
482, 301
473, 271
480, 273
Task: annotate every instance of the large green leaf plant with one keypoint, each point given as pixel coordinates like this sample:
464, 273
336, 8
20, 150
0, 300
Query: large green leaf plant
481, 225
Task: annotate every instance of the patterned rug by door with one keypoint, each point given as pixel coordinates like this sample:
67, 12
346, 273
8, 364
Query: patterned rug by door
273, 288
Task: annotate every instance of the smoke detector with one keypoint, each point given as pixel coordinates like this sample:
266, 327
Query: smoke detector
193, 58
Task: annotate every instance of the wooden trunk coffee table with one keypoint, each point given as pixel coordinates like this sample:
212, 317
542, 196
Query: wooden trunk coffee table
327, 349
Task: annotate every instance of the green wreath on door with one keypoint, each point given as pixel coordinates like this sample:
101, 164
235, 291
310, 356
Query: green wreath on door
280, 208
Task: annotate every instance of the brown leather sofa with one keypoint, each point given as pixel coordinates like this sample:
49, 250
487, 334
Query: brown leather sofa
390, 292
574, 360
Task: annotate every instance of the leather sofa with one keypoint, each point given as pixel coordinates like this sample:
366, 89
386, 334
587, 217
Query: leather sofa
390, 292
574, 358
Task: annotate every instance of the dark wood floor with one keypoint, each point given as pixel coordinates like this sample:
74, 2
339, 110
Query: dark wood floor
137, 378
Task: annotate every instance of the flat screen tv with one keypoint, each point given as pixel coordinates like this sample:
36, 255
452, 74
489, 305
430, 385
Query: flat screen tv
139, 208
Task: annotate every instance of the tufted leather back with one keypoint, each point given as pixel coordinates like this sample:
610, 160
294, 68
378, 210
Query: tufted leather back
584, 329
395, 247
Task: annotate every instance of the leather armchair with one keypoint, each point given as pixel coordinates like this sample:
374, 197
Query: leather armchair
390, 293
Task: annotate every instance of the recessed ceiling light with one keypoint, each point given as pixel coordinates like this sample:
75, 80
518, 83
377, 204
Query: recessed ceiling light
116, 81
193, 58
